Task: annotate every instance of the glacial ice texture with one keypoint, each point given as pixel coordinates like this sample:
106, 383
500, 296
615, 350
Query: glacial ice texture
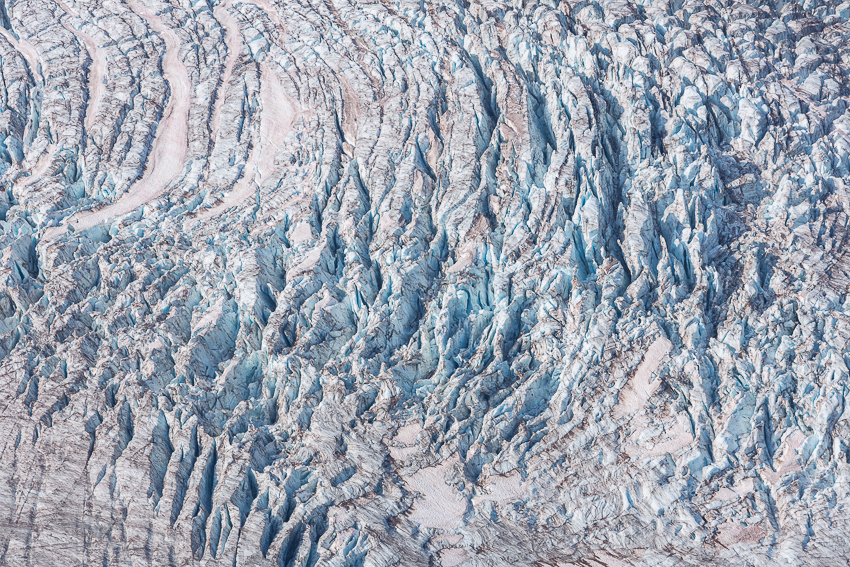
424, 283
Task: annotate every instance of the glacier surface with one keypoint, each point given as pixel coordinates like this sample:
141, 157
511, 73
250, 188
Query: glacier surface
407, 282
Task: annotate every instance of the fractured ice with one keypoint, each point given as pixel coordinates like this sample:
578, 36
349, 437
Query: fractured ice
405, 282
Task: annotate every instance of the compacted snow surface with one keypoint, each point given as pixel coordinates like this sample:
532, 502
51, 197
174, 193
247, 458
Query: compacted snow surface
405, 282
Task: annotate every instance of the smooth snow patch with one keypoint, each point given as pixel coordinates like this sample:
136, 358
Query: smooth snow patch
733, 533
439, 505
452, 557
302, 232
502, 489
403, 444
407, 433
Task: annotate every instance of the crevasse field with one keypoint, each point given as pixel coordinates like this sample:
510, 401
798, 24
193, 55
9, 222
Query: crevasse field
303, 283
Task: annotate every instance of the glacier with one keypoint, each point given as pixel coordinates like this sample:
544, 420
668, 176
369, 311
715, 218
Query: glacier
408, 282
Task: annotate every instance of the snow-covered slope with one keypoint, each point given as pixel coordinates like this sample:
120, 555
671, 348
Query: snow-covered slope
401, 282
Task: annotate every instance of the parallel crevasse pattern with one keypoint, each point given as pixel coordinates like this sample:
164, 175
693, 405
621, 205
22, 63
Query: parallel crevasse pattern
403, 282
